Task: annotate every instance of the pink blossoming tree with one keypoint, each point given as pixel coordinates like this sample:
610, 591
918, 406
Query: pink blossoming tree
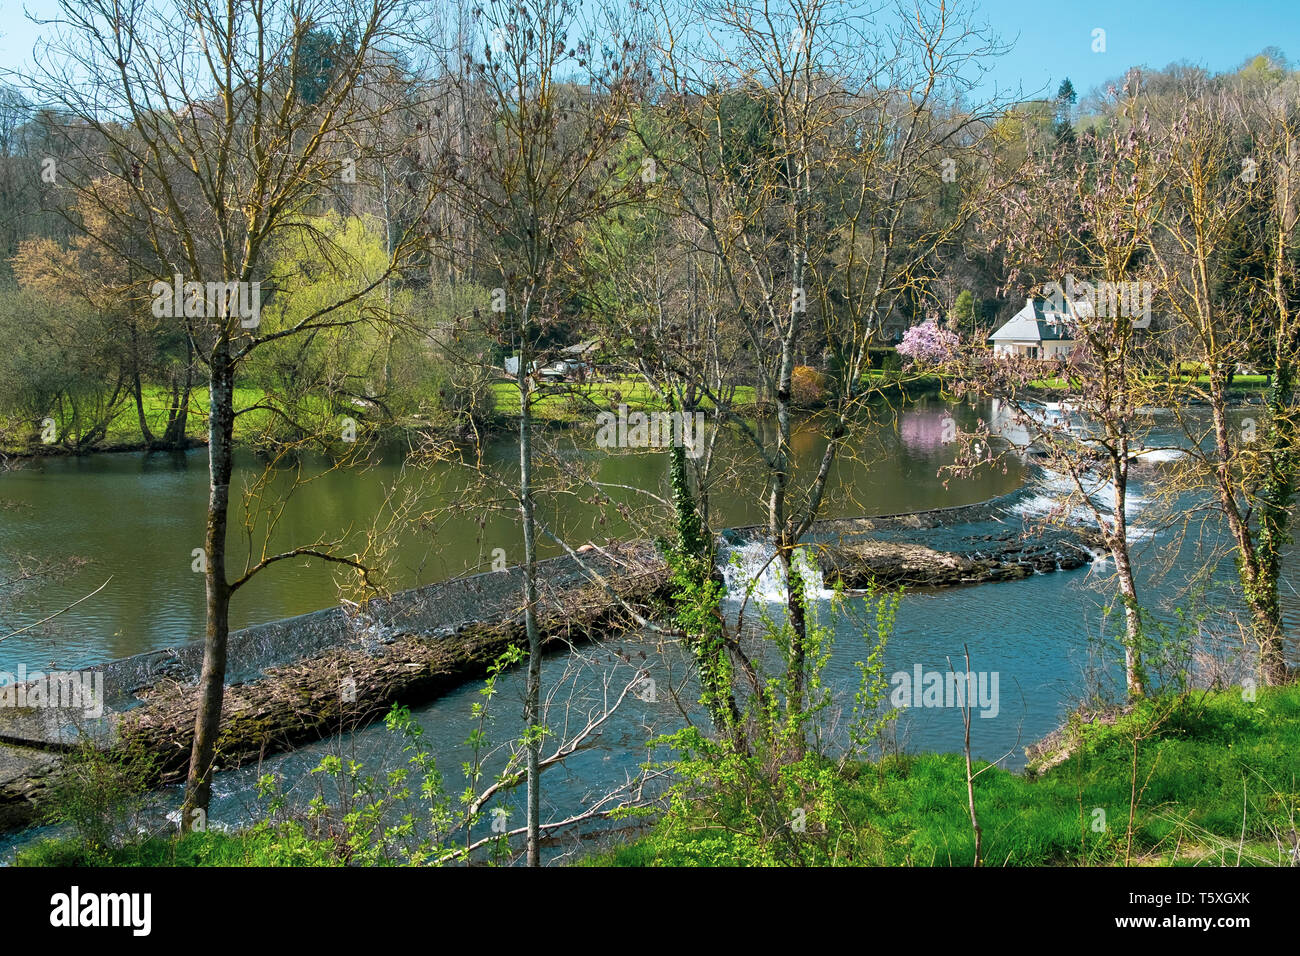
928, 344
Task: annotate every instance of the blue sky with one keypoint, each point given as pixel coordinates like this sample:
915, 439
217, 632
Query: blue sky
1053, 39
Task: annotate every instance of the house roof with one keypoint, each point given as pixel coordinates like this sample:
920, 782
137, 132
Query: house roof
1038, 321
582, 348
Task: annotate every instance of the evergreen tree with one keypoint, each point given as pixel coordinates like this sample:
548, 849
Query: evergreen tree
1065, 100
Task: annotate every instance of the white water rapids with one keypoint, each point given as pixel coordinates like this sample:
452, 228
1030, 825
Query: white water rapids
753, 564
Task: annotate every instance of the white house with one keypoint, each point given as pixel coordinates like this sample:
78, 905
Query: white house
1040, 330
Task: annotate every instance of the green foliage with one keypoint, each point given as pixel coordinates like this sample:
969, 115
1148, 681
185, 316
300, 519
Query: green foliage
97, 793
360, 816
1164, 648
748, 137
442, 364
284, 844
759, 793
697, 594
59, 364
1215, 764
963, 310
318, 56
406, 815
384, 818
328, 271
1065, 100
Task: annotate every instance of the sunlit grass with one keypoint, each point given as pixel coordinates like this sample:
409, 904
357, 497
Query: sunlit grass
567, 402
284, 845
1220, 765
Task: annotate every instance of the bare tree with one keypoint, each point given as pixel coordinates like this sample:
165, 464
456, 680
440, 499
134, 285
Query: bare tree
805, 144
556, 97
225, 128
1224, 250
1083, 211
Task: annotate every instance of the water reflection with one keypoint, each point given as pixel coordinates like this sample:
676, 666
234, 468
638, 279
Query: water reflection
138, 517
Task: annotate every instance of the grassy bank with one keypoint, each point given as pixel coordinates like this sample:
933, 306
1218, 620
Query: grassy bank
285, 845
1216, 782
1241, 387
123, 432
560, 405
573, 404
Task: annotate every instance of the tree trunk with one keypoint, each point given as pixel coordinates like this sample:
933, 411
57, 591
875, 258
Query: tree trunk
695, 552
1132, 623
779, 530
1276, 498
533, 691
1278, 493
207, 722
1258, 557
1118, 543
136, 388
179, 410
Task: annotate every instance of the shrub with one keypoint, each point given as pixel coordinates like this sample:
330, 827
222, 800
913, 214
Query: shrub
463, 393
97, 792
808, 386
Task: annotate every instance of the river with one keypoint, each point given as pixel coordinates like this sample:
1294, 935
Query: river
137, 518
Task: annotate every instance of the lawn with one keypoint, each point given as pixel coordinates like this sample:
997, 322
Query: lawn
1243, 383
571, 402
124, 430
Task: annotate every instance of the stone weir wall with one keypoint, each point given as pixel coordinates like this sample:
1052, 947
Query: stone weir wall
307, 677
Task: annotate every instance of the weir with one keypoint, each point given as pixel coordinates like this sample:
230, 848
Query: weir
285, 677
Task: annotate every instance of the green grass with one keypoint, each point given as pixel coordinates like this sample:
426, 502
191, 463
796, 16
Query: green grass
126, 426
1240, 383
894, 379
124, 429
1217, 763
571, 403
285, 845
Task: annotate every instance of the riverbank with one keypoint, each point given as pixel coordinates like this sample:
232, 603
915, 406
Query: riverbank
1211, 781
563, 405
1216, 785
